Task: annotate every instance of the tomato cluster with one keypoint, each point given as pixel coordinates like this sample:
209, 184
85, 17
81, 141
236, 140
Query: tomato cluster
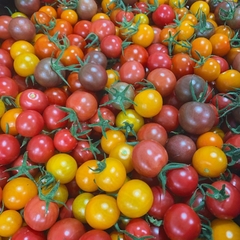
119, 120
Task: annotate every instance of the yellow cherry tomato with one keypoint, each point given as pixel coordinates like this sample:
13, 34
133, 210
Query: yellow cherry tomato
148, 103
209, 161
21, 46
144, 36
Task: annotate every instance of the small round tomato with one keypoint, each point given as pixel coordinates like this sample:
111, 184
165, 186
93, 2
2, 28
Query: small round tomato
10, 222
25, 64
209, 161
69, 15
225, 229
8, 121
220, 44
129, 121
144, 35
62, 166
79, 206
201, 46
148, 103
102, 211
134, 198
19, 47
18, 191
110, 174
85, 176
112, 139
209, 139
228, 81
123, 152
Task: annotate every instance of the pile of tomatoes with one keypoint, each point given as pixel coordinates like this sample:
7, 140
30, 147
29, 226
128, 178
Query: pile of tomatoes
119, 120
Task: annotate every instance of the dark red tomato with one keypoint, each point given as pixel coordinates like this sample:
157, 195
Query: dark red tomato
123, 15
158, 233
73, 188
9, 149
197, 202
29, 123
111, 46
161, 202
8, 87
36, 215
149, 157
53, 116
131, 72
33, 99
20, 81
66, 211
4, 22
151, 181
64, 141
159, 60
163, 79
83, 103
40, 148
134, 52
137, 227
181, 222
56, 96
32, 167
5, 72
224, 66
157, 47
196, 117
27, 7
7, 44
82, 28
96, 57
180, 148
163, 15
228, 208
6, 59
4, 176
182, 64
182, 181
76, 40
81, 152
66, 229
153, 131
95, 234
167, 117
26, 233
102, 28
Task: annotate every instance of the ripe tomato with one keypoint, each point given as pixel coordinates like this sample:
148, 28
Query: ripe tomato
209, 161
201, 46
110, 174
220, 43
223, 208
79, 206
209, 139
95, 234
228, 81
69, 15
10, 222
85, 176
225, 229
25, 64
149, 157
37, 216
134, 198
62, 28
148, 103
123, 152
144, 35
19, 47
8, 87
62, 166
111, 140
102, 212
18, 191
26, 232
181, 222
8, 121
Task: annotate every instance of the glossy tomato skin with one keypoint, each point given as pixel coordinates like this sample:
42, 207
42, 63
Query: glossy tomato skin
10, 148
27, 233
138, 227
149, 157
95, 234
8, 87
228, 208
181, 222
35, 214
161, 202
67, 228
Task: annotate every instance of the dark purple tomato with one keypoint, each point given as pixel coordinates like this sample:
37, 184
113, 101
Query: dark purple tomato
27, 7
